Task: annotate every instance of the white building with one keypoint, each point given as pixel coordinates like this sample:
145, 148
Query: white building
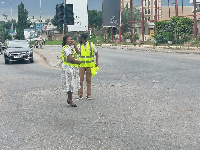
197, 2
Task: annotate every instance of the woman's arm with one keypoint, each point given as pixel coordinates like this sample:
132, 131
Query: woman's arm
76, 48
69, 58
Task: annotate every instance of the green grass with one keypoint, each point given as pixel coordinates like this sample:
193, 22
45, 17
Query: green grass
58, 42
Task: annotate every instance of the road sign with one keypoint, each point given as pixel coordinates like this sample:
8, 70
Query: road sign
151, 32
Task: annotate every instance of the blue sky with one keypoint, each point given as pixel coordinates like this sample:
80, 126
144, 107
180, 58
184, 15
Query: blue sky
48, 6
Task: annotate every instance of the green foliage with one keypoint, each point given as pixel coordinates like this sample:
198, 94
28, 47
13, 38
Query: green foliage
126, 17
94, 18
22, 21
177, 30
135, 37
54, 22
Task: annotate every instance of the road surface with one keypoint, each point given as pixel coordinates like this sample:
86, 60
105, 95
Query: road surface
142, 100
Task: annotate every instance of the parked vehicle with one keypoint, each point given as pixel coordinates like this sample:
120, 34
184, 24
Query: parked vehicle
18, 50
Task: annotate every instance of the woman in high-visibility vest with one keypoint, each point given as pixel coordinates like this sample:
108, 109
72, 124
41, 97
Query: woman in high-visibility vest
70, 76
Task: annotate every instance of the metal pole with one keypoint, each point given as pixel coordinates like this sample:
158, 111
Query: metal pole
156, 10
127, 10
142, 21
176, 7
112, 33
195, 19
120, 24
105, 30
131, 6
11, 20
169, 8
64, 31
40, 18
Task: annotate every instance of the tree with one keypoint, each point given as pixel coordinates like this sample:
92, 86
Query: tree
55, 23
177, 30
126, 17
94, 18
22, 21
4, 29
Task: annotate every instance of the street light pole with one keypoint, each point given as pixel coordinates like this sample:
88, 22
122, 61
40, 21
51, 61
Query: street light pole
40, 18
11, 10
2, 9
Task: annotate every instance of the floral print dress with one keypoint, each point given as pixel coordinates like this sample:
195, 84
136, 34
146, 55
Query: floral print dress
70, 74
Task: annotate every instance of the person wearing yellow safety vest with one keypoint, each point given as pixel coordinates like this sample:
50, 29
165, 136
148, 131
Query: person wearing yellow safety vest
70, 76
87, 53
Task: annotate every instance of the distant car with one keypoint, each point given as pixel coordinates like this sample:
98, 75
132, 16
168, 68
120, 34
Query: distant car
18, 50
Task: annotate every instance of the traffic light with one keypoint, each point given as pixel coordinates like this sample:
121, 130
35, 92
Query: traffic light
69, 15
60, 13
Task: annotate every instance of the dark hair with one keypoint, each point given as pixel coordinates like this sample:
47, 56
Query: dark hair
64, 40
84, 36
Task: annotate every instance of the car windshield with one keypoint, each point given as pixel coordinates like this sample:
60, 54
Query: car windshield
18, 44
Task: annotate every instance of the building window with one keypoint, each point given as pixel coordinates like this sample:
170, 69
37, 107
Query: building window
149, 11
145, 3
145, 11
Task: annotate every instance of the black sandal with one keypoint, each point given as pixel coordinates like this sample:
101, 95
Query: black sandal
74, 105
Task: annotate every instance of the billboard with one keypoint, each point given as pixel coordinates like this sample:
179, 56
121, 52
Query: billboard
111, 13
80, 10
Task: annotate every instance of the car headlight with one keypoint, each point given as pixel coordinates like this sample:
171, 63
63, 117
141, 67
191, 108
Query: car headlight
28, 53
8, 54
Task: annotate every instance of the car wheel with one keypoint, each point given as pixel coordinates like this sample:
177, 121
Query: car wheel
7, 61
31, 61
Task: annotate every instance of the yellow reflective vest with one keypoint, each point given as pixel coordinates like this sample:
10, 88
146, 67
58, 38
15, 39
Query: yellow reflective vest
64, 58
87, 55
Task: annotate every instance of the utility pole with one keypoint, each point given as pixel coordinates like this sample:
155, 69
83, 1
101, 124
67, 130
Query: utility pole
195, 19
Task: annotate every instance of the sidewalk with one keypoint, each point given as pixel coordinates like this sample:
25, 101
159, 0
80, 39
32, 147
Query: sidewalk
52, 53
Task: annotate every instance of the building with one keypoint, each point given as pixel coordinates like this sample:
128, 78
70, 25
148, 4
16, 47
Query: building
151, 7
197, 3
186, 11
125, 3
152, 10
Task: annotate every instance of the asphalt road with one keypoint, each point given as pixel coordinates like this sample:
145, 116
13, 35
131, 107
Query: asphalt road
142, 100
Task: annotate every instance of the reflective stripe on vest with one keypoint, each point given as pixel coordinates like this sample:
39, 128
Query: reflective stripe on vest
65, 60
87, 55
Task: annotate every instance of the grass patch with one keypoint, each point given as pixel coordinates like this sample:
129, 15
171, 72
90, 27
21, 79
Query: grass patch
58, 42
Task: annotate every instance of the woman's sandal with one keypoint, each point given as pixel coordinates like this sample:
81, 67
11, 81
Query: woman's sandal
74, 105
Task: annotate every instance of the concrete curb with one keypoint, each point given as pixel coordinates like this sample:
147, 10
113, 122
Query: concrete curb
165, 49
49, 62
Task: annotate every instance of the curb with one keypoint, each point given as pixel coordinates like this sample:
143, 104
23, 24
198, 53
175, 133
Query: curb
156, 49
50, 63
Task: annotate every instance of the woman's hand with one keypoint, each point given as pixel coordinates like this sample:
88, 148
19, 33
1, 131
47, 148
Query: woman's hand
73, 43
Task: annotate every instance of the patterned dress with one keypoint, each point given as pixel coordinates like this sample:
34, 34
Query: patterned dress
70, 75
